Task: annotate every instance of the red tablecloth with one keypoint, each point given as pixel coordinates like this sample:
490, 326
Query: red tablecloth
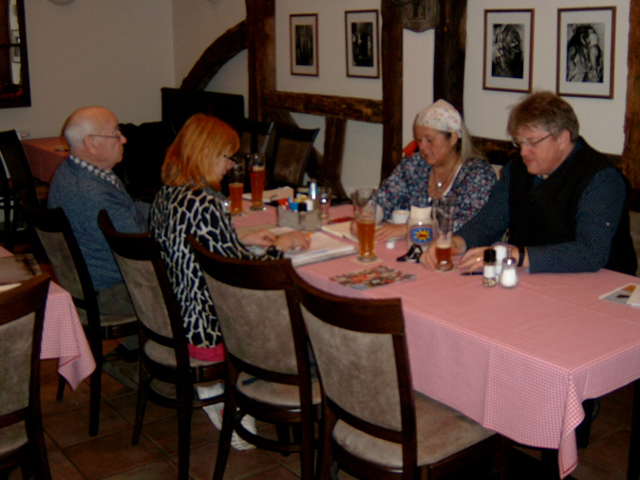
63, 336
44, 155
519, 361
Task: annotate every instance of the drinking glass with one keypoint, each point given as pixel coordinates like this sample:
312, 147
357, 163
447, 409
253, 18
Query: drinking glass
365, 207
324, 198
236, 187
444, 210
256, 164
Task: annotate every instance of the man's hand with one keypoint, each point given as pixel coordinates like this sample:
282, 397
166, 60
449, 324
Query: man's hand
428, 258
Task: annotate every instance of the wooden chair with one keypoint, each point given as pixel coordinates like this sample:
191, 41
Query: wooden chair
291, 152
268, 361
375, 425
16, 178
165, 358
61, 247
21, 436
255, 136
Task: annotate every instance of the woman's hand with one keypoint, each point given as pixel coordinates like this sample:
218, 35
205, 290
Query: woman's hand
261, 238
389, 230
428, 258
292, 240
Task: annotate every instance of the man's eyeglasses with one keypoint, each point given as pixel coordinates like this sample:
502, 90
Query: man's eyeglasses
526, 143
117, 135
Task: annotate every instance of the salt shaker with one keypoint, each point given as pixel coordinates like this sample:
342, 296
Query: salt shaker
509, 275
489, 277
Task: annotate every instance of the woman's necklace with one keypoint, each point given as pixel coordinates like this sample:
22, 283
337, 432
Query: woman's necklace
440, 184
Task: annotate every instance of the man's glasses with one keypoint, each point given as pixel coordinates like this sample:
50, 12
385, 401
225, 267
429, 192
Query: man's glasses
117, 135
519, 144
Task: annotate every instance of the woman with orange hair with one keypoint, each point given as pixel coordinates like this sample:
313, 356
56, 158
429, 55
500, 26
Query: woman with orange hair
190, 202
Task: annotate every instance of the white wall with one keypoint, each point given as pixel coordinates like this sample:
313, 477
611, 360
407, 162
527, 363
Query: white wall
115, 53
486, 112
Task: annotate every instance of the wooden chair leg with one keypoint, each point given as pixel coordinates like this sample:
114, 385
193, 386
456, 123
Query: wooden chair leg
326, 469
61, 384
141, 406
228, 424
583, 431
184, 439
94, 408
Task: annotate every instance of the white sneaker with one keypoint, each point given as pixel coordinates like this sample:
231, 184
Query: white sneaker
215, 412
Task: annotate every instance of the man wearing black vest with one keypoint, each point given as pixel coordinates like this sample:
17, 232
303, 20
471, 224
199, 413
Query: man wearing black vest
563, 204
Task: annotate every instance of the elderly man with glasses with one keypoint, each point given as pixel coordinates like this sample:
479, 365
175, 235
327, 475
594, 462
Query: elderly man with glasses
83, 185
563, 204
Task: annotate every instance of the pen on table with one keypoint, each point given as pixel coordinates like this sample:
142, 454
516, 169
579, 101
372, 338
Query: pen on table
475, 272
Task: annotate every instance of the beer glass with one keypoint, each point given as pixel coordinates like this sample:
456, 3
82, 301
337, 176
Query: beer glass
365, 209
256, 164
444, 210
236, 187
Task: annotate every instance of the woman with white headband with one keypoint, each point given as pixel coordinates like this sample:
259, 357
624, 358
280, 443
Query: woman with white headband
445, 162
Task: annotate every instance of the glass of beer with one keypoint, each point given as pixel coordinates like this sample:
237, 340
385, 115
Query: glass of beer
256, 164
324, 195
236, 187
444, 210
365, 209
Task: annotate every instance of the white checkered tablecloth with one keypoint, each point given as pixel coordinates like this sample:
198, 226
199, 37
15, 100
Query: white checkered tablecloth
63, 336
519, 361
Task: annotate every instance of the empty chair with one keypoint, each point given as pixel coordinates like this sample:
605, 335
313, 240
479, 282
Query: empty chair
375, 425
291, 152
16, 178
61, 247
255, 136
267, 357
164, 352
21, 435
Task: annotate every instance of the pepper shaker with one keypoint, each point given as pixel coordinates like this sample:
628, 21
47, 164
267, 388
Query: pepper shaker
489, 278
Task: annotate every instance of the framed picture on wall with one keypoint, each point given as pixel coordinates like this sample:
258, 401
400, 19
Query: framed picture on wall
586, 50
363, 51
508, 50
304, 44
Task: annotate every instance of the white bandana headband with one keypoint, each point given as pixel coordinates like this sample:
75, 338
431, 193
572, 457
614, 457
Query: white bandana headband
442, 116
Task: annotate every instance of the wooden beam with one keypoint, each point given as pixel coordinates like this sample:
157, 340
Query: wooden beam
361, 109
262, 51
391, 86
631, 152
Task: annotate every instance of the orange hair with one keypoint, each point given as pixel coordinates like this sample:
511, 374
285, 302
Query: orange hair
201, 141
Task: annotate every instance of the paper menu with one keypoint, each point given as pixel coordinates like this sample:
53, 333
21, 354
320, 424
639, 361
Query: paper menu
625, 295
634, 298
271, 195
323, 247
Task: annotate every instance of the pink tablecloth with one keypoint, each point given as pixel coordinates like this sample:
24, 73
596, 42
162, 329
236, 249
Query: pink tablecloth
63, 336
520, 361
44, 156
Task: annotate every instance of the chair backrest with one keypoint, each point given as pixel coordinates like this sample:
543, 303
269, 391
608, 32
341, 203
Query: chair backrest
362, 358
16, 164
291, 151
255, 303
21, 320
255, 136
145, 275
61, 247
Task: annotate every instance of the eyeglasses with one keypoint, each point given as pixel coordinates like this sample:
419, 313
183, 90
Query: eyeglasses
117, 135
519, 144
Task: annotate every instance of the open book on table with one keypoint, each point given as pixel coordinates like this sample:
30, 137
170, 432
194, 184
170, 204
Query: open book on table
322, 247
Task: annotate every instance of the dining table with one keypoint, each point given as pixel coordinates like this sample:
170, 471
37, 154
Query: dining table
45, 155
520, 361
63, 336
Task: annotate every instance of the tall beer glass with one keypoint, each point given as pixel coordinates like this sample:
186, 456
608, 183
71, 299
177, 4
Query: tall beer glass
444, 210
365, 208
236, 187
256, 164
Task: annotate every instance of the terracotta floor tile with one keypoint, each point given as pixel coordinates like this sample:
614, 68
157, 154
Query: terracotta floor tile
159, 470
72, 427
164, 433
62, 468
126, 405
111, 454
612, 451
71, 399
241, 464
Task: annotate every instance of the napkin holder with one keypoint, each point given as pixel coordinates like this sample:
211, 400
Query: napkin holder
307, 221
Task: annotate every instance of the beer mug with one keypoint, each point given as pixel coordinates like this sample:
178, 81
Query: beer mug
256, 164
236, 187
365, 210
444, 210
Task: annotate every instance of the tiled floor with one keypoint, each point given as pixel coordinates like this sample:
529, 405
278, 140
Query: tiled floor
74, 455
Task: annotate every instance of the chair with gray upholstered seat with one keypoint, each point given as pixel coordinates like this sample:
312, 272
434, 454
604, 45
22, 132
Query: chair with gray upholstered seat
21, 436
292, 149
168, 376
61, 247
268, 362
375, 425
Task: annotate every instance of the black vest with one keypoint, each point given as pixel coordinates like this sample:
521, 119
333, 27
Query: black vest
546, 214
